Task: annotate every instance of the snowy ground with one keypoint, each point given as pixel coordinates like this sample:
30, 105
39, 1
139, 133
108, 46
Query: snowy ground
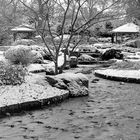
35, 88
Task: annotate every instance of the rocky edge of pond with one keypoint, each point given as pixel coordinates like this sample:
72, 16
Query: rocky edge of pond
39, 90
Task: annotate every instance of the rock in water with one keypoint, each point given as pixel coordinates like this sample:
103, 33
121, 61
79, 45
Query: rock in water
77, 84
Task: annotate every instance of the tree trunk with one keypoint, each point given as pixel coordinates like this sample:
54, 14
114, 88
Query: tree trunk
56, 68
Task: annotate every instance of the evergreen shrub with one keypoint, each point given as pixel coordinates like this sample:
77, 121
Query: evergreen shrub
11, 74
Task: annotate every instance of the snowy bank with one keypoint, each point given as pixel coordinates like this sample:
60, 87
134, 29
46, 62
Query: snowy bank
37, 91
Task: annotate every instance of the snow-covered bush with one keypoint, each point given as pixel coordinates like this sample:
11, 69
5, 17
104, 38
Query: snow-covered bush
11, 74
20, 55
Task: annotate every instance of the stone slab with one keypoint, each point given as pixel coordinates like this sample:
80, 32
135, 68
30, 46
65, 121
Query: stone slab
132, 76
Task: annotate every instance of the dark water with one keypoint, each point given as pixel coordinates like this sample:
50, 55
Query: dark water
110, 112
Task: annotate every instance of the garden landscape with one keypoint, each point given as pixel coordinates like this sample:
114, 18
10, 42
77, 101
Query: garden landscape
69, 69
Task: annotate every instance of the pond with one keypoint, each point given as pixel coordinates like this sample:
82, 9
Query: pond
110, 112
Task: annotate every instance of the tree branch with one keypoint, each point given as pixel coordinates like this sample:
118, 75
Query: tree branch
96, 16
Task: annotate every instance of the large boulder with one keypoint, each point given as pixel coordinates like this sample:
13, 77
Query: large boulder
111, 54
77, 84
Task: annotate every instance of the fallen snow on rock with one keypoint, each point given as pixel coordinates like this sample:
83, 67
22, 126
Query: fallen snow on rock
37, 67
72, 76
77, 84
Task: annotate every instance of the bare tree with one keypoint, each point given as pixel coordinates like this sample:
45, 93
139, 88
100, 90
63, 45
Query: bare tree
46, 12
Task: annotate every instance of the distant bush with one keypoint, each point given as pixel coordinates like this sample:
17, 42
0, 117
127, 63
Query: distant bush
20, 55
11, 74
27, 42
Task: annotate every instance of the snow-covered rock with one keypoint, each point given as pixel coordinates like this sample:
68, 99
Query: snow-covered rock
77, 84
86, 58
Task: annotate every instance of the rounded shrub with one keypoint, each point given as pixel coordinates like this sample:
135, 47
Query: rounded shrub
20, 55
